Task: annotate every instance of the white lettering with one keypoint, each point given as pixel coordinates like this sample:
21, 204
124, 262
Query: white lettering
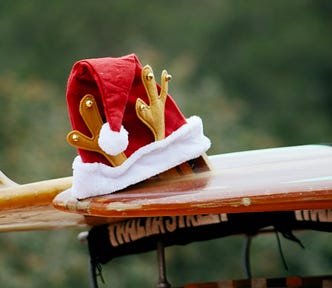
138, 228
170, 224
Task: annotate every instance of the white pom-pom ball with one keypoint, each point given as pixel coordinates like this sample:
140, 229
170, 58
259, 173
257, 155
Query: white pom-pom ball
112, 142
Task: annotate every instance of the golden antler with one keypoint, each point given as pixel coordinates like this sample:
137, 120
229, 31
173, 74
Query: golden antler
153, 115
91, 116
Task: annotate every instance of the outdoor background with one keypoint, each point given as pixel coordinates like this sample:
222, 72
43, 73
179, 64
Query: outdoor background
257, 72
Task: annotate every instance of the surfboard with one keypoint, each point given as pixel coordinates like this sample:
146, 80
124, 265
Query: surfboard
276, 179
29, 206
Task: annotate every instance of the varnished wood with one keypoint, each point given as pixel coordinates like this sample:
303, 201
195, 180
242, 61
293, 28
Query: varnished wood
262, 180
6, 182
29, 206
14, 196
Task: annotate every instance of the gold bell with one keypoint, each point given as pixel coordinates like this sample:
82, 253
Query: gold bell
168, 77
89, 103
75, 137
149, 76
142, 107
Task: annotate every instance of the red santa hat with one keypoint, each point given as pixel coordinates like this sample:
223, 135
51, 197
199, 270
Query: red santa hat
125, 126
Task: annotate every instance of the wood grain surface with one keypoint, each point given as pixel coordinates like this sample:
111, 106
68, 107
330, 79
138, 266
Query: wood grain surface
288, 178
276, 179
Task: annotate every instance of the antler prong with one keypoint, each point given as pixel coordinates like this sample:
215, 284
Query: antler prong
165, 78
91, 116
153, 115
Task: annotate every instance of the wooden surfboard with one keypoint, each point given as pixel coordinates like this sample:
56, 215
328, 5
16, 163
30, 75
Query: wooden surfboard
29, 206
275, 179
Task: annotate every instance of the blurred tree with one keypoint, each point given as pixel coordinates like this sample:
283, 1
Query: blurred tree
35, 121
276, 56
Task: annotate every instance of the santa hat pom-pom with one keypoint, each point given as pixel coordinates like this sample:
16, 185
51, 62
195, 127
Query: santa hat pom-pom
112, 142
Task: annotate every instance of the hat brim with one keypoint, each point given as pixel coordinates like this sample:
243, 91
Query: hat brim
95, 179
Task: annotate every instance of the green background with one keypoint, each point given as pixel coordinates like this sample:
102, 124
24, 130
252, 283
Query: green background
257, 72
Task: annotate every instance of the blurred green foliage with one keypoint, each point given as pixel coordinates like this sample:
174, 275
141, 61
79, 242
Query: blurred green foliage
258, 73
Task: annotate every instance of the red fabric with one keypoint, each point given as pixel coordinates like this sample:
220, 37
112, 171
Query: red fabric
116, 84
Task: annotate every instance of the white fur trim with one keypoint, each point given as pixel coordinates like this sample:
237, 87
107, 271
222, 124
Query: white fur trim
93, 179
112, 142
